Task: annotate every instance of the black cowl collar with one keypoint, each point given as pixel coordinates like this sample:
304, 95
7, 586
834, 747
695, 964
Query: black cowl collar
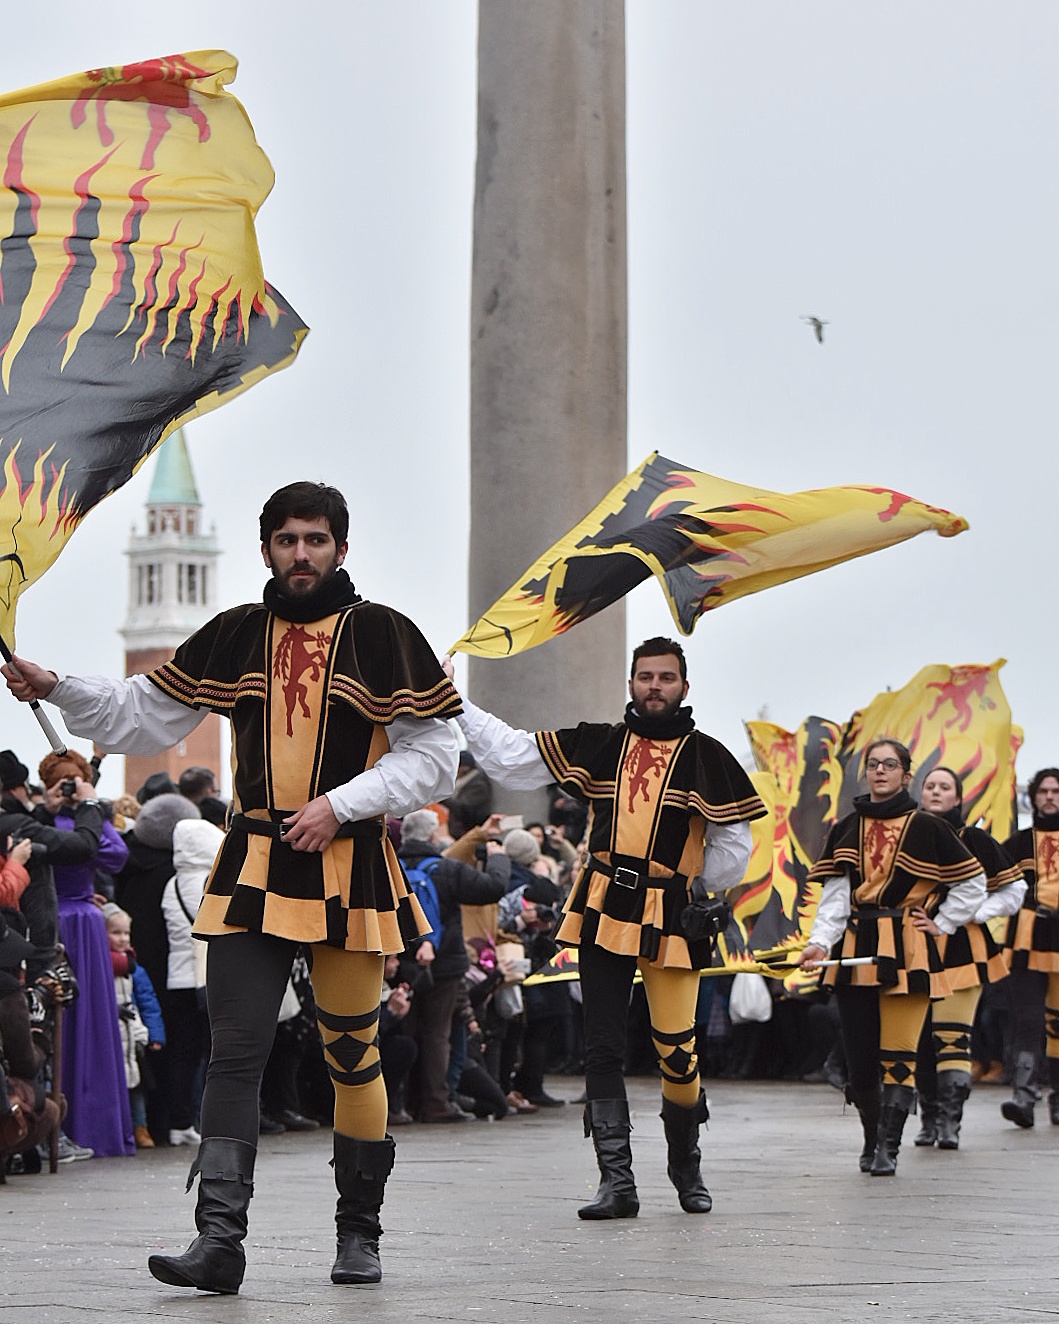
334, 593
677, 724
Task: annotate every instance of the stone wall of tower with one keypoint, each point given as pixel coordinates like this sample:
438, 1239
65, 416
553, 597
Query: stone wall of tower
202, 748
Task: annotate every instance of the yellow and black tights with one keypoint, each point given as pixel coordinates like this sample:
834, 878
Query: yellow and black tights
880, 1030
246, 975
606, 982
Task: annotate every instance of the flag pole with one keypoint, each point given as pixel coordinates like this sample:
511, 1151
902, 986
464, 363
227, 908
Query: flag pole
54, 739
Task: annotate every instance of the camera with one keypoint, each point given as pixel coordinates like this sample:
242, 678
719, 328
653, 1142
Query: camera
546, 914
36, 848
68, 788
481, 853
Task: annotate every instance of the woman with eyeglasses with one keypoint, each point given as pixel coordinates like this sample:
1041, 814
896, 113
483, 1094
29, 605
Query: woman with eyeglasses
972, 958
890, 874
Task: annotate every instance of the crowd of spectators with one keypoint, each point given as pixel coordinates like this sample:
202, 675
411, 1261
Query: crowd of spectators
97, 901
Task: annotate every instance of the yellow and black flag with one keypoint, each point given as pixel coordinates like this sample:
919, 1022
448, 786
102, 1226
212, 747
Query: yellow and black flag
952, 716
131, 291
708, 541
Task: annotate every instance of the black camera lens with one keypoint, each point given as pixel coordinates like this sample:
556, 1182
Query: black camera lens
68, 787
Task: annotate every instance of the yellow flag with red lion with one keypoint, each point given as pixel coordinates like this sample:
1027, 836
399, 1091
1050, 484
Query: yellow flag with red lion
955, 716
132, 295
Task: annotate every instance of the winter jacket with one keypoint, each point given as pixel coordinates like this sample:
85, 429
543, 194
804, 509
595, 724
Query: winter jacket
457, 884
195, 847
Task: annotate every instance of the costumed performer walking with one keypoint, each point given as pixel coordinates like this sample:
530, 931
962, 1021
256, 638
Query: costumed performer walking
669, 826
973, 958
1033, 940
892, 878
336, 708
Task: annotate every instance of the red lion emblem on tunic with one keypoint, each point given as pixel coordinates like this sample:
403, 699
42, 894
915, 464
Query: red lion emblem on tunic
644, 759
295, 655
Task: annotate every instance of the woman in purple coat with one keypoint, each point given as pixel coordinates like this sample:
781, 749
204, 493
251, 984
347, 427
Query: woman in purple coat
93, 1071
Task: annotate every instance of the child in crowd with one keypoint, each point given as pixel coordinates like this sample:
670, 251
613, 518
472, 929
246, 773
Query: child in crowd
139, 1015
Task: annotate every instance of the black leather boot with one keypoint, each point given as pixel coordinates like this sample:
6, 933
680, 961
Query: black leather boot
867, 1103
1019, 1108
897, 1103
214, 1262
361, 1168
929, 1118
682, 1137
954, 1089
607, 1122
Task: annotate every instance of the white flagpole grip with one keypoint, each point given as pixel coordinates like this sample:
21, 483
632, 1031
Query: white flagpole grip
54, 739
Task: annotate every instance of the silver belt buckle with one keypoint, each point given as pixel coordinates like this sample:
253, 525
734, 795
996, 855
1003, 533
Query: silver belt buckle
627, 878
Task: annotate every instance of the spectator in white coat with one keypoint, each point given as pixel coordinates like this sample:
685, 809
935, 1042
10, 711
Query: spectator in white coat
195, 847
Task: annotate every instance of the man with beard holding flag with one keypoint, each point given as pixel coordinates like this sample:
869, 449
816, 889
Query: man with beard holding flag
669, 829
336, 707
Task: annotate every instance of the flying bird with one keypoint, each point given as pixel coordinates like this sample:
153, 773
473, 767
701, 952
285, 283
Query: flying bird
818, 324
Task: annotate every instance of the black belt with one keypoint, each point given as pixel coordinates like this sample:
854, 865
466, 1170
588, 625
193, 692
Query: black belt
263, 827
878, 912
630, 878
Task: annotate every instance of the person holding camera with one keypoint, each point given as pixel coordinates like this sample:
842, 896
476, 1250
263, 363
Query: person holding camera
98, 1119
669, 829
49, 846
436, 963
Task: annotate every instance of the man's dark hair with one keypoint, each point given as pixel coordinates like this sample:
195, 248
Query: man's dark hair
1038, 778
195, 783
305, 501
659, 646
904, 756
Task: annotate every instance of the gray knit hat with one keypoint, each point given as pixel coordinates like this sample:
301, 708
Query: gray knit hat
521, 846
156, 820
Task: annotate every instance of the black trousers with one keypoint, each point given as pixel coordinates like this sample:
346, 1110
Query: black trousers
248, 974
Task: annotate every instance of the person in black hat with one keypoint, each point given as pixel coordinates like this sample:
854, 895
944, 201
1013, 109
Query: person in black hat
50, 846
159, 783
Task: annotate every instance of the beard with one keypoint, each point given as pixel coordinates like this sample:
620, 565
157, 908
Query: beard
303, 588
667, 710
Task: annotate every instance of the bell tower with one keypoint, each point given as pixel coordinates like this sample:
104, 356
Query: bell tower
172, 591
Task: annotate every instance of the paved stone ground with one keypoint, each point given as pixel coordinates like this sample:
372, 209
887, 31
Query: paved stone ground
481, 1226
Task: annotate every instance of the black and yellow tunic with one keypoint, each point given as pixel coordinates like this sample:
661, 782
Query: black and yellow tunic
972, 956
898, 858
1033, 932
652, 790
308, 703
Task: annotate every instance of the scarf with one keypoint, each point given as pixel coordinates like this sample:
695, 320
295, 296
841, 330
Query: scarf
897, 804
677, 724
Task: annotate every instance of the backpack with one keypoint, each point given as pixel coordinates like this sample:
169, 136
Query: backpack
421, 878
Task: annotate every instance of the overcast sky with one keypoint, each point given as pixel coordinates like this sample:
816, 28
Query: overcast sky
890, 167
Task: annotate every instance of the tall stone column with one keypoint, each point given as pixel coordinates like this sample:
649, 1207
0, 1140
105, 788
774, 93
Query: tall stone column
548, 332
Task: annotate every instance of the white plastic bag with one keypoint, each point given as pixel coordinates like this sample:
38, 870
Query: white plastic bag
750, 999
